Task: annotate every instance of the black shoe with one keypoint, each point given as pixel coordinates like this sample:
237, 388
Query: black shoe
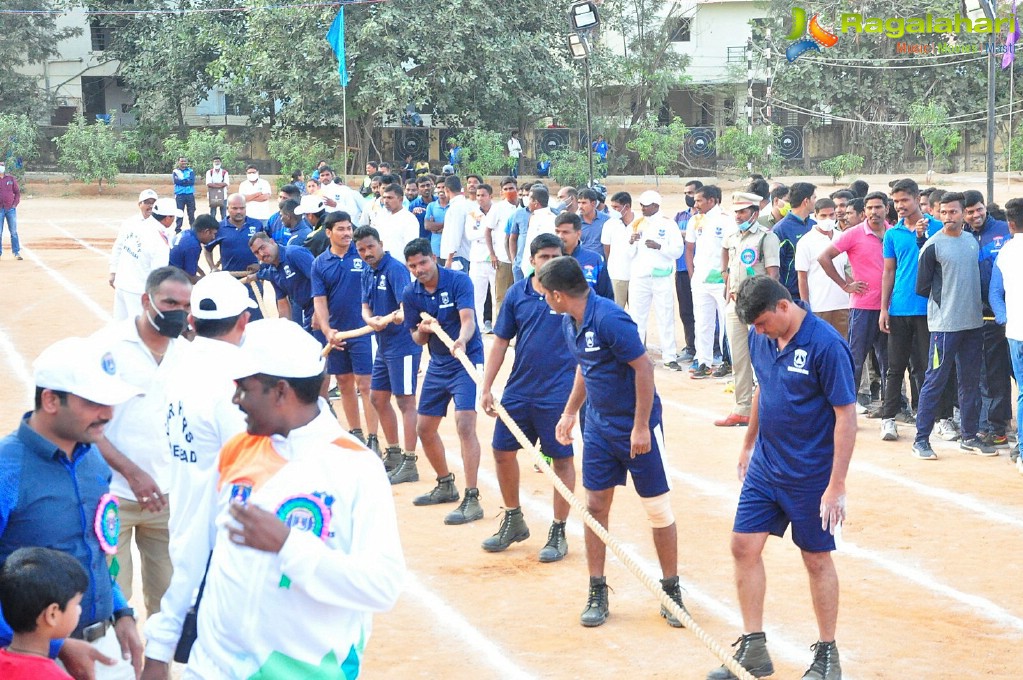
373, 444
674, 591
751, 655
391, 458
722, 371
469, 510
357, 433
826, 665
596, 611
513, 529
444, 492
557, 544
407, 471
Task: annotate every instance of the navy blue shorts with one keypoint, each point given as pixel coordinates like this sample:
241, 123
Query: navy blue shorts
606, 460
398, 375
767, 507
538, 422
441, 385
356, 357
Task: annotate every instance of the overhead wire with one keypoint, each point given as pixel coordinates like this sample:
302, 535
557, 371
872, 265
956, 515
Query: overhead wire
191, 10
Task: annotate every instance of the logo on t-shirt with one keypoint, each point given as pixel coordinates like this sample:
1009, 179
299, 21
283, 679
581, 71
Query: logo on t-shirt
799, 362
357, 265
445, 299
591, 341
382, 284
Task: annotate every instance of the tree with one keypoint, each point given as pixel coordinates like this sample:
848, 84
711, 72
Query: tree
484, 153
839, 166
296, 150
19, 142
27, 39
938, 139
659, 147
90, 153
570, 168
746, 149
200, 147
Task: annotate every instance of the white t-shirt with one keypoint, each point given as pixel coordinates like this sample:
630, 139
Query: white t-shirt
825, 294
502, 212
453, 238
141, 247
656, 262
396, 230
540, 222
514, 148
619, 260
1010, 263
257, 210
707, 231
477, 224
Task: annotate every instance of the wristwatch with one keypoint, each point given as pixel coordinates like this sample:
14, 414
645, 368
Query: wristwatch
121, 613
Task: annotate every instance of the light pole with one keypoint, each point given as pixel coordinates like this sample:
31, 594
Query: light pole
583, 19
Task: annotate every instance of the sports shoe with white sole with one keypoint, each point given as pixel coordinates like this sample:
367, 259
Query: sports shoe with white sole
977, 447
889, 431
946, 429
923, 451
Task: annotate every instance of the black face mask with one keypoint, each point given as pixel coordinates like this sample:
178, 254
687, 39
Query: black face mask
169, 324
691, 201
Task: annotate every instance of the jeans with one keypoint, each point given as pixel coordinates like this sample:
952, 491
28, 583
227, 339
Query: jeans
10, 215
684, 293
865, 335
962, 349
515, 168
995, 386
1016, 356
907, 347
186, 202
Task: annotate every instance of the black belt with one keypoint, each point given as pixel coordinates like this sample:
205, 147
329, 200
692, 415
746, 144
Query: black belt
95, 631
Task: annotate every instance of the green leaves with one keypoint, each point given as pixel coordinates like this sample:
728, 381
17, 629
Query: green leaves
91, 153
296, 150
484, 153
659, 147
839, 166
938, 139
19, 141
746, 149
200, 147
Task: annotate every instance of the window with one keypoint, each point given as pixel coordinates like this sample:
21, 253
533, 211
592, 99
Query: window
737, 55
101, 35
234, 107
682, 31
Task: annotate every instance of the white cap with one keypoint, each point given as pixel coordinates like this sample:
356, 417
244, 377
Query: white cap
219, 296
448, 169
650, 197
827, 225
165, 207
281, 348
745, 199
147, 195
309, 204
84, 367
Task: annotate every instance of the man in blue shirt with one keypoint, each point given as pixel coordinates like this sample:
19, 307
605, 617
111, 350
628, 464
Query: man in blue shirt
793, 464
419, 206
683, 286
55, 493
623, 434
537, 389
233, 239
446, 295
995, 386
592, 220
433, 218
275, 226
903, 313
185, 255
184, 190
396, 367
517, 228
600, 148
290, 270
790, 229
310, 212
337, 303
568, 228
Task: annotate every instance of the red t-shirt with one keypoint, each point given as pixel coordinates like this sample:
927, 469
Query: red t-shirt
15, 666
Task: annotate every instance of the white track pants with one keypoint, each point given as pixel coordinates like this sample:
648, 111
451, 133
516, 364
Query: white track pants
708, 308
657, 292
483, 275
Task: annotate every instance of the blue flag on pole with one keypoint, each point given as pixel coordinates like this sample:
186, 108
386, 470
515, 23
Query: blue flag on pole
336, 38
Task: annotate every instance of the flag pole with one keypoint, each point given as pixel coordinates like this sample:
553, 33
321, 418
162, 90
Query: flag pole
344, 123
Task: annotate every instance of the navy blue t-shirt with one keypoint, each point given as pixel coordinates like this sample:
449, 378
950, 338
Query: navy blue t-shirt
544, 366
340, 280
418, 208
235, 255
991, 239
604, 344
595, 271
789, 230
185, 255
591, 233
382, 290
453, 293
293, 278
800, 386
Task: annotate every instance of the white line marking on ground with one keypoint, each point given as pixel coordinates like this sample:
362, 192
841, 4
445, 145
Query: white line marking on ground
87, 246
17, 363
89, 303
484, 650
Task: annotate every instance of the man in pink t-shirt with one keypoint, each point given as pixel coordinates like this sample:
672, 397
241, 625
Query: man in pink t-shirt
862, 244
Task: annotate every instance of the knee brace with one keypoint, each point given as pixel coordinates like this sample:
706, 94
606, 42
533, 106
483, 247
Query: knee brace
658, 511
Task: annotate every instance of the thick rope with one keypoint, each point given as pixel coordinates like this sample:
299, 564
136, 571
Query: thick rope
355, 333
259, 298
625, 556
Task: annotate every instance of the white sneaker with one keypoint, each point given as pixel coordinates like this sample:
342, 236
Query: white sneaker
946, 430
889, 432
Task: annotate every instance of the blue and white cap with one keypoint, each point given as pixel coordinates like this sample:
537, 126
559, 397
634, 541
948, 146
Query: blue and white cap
84, 367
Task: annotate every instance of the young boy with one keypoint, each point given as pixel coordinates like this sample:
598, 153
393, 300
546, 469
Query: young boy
41, 596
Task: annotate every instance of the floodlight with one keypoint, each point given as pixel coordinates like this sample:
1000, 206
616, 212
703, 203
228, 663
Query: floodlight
583, 16
580, 48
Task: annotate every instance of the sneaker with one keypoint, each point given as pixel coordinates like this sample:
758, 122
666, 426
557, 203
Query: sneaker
407, 472
673, 366
722, 371
906, 416
334, 394
18, 257
357, 433
391, 458
444, 492
487, 328
695, 364
863, 400
674, 591
923, 451
513, 529
373, 444
977, 447
702, 372
825, 664
999, 441
873, 413
1013, 455
557, 544
688, 354
751, 655
889, 432
469, 510
596, 611
946, 429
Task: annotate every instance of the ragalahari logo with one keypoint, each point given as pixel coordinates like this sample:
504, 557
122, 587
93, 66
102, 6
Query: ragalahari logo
818, 35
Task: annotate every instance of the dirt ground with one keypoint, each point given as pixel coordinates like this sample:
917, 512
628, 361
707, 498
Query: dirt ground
928, 563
